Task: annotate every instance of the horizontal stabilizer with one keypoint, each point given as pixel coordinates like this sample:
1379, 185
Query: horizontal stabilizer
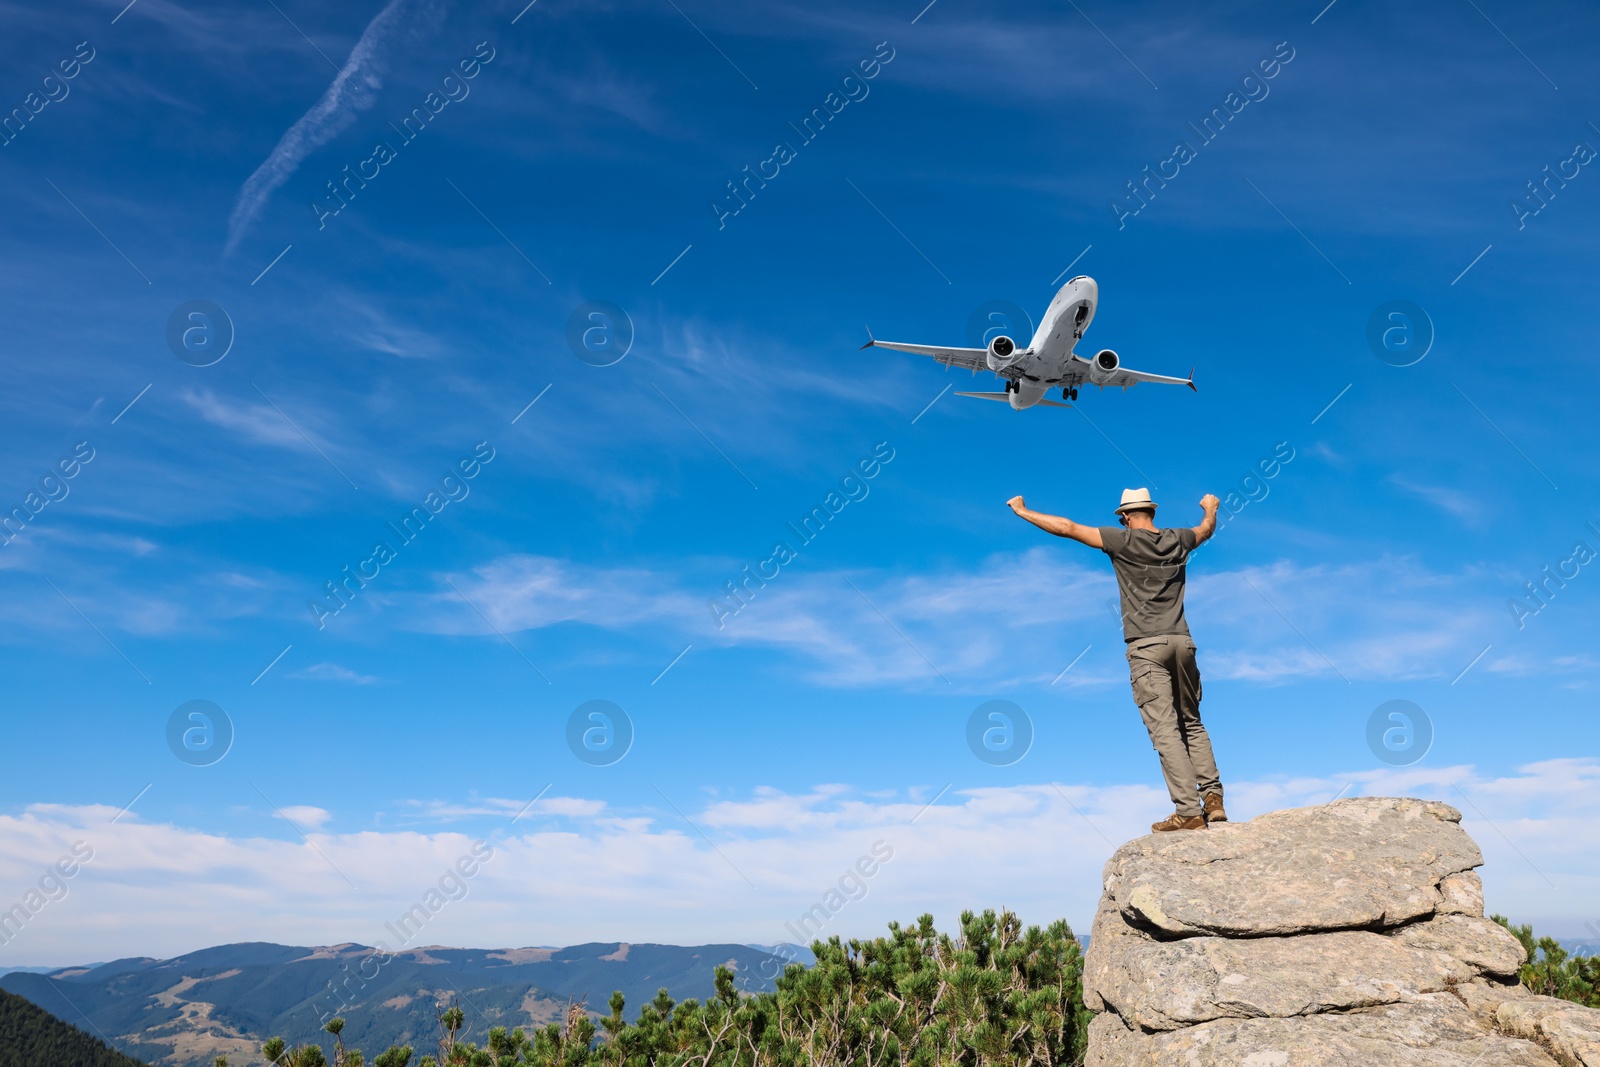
1006, 398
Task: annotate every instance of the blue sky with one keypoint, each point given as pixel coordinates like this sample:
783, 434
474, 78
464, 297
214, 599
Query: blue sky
375, 348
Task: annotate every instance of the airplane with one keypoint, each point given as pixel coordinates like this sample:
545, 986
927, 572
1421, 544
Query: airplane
1049, 360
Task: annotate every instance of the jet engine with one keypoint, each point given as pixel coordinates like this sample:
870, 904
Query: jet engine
1002, 352
1103, 366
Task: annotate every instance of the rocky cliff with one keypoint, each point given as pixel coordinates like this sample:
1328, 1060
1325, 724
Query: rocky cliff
1347, 935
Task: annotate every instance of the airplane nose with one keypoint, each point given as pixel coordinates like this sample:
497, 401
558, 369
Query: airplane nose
1088, 288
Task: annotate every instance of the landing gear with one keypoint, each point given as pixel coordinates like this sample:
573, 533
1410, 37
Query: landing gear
1079, 321
1069, 393
1011, 386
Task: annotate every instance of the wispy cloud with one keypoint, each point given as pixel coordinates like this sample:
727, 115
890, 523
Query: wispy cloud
1462, 505
354, 90
369, 325
524, 592
436, 812
256, 422
1385, 618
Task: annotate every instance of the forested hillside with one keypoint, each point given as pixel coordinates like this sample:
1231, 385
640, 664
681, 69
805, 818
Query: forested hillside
32, 1037
996, 994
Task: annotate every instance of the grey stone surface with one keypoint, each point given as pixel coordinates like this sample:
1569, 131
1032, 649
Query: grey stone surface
1358, 863
1428, 1031
1462, 893
1112, 943
1572, 1033
1348, 935
1164, 986
1485, 947
1483, 997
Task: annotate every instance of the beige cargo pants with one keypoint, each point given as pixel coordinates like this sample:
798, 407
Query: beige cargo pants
1166, 686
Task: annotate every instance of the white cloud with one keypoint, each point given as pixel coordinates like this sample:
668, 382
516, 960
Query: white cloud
1579, 669
332, 672
305, 816
354, 89
160, 889
570, 806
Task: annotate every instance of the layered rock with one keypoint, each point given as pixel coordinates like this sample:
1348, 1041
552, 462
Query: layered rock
1348, 934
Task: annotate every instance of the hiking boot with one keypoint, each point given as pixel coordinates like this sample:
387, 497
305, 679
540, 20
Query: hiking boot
1178, 821
1214, 812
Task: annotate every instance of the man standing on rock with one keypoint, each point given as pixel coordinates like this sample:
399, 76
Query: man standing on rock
1150, 565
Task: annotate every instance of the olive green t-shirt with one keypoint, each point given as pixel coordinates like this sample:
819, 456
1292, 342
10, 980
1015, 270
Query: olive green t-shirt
1151, 569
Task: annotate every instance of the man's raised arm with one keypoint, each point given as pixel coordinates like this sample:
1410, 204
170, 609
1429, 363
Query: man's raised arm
1089, 535
1208, 525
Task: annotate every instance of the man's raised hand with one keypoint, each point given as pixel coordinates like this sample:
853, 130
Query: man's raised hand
1208, 524
1016, 504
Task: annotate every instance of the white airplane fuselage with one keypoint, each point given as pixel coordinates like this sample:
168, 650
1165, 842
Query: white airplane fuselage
1048, 361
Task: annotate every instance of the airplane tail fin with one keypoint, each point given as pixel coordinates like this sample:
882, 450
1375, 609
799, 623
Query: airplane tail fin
1191, 379
871, 341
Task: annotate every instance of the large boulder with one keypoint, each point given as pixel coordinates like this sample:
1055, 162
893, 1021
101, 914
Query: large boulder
1346, 935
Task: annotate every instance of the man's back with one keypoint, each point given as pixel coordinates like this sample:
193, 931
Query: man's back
1151, 571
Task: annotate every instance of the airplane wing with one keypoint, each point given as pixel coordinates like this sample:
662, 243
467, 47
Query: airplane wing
1123, 377
1126, 376
973, 359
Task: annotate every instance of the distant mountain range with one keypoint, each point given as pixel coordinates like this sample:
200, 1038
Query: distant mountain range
186, 1011
45, 970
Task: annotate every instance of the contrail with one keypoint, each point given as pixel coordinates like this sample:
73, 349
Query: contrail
353, 91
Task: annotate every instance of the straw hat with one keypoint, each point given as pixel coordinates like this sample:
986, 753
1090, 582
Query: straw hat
1136, 500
